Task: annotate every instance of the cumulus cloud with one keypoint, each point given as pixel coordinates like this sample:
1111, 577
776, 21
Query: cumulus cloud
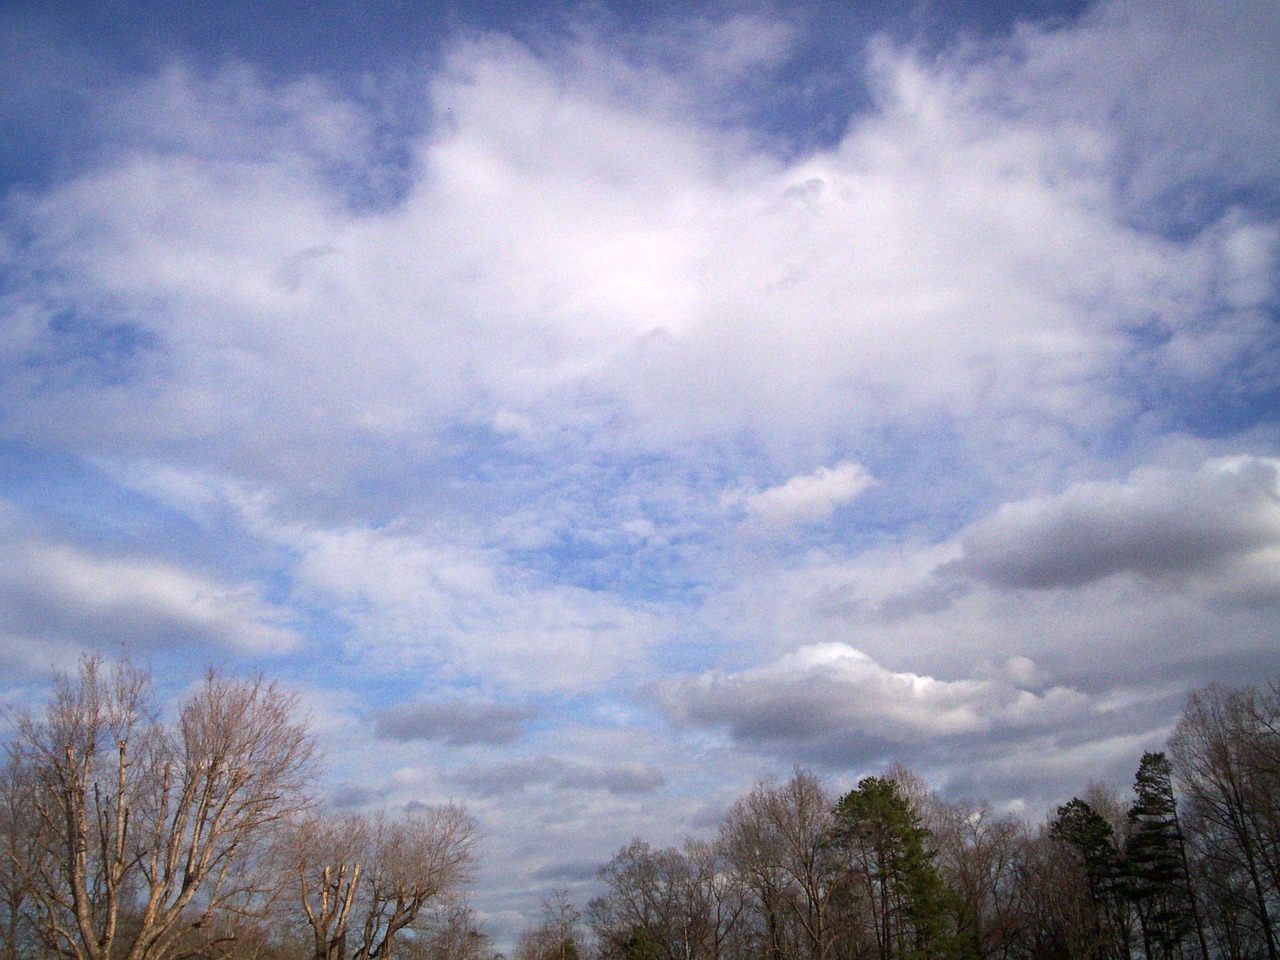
552, 223
1169, 575
1157, 523
806, 499
834, 696
458, 723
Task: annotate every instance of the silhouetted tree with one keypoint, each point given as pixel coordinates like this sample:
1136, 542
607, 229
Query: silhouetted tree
1226, 756
1156, 858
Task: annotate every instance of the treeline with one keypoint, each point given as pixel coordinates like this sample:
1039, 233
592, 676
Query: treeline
888, 871
128, 838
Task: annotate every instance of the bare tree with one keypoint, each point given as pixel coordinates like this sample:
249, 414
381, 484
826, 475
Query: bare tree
1053, 916
636, 902
142, 832
715, 901
362, 881
1226, 757
557, 936
978, 857
451, 931
678, 904
331, 855
563, 918
780, 839
17, 932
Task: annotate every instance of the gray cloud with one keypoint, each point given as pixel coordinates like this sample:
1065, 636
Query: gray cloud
458, 723
573, 871
1157, 523
833, 703
498, 779
615, 779
1002, 735
292, 268
350, 796
1172, 142
60, 594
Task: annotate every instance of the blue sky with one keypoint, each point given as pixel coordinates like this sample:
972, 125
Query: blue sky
592, 409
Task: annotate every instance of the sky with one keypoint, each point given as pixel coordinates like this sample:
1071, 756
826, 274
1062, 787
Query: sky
590, 409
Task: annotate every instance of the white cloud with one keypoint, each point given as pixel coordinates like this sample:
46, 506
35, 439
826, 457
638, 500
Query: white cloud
739, 46
71, 598
945, 259
836, 693
513, 422
809, 498
1145, 585
412, 602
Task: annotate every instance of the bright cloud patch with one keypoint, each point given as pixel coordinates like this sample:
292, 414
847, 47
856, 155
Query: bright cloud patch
411, 600
810, 498
589, 253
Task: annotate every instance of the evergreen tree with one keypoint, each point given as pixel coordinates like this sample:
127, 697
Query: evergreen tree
1156, 859
886, 841
640, 945
1088, 833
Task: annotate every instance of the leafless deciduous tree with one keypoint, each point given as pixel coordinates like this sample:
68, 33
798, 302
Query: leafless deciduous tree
780, 837
450, 931
362, 881
677, 904
16, 835
558, 936
140, 832
978, 856
1226, 756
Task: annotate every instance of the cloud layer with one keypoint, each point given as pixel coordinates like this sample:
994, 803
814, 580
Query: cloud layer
590, 416
458, 724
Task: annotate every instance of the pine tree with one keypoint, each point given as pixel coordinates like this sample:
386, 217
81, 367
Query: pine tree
885, 838
1086, 831
1156, 860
